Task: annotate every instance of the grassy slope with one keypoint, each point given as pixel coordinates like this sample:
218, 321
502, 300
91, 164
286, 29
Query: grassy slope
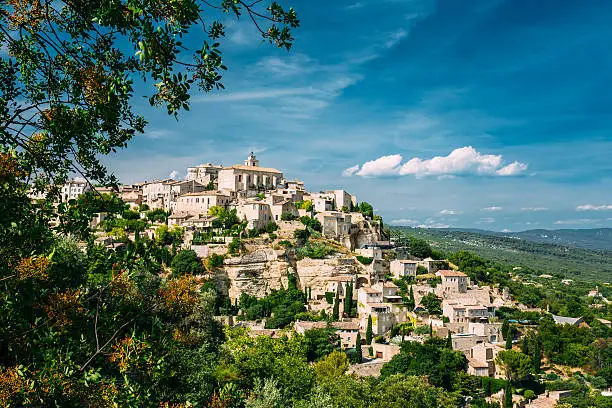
547, 258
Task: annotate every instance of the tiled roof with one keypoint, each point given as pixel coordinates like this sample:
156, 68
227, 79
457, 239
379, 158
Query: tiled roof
451, 273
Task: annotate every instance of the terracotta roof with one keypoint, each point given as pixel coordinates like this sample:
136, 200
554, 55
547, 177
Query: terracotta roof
179, 215
370, 290
407, 261
477, 363
255, 168
451, 273
389, 285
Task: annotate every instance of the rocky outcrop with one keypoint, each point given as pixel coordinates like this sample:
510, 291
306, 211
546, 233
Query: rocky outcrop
254, 273
318, 273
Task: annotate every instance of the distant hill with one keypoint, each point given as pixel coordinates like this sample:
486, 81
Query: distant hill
571, 260
599, 238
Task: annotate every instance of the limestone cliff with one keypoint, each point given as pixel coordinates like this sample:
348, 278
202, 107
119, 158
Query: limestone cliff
254, 273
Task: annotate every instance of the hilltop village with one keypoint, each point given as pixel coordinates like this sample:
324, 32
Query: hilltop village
260, 237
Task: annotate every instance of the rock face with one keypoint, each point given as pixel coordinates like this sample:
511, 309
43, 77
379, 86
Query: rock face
318, 273
255, 273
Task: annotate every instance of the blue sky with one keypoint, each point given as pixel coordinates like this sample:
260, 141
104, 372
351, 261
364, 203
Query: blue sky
479, 114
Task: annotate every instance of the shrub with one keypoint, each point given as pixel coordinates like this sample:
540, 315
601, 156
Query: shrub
285, 243
287, 216
329, 297
235, 246
271, 227
186, 261
529, 394
215, 260
364, 259
317, 250
272, 236
379, 339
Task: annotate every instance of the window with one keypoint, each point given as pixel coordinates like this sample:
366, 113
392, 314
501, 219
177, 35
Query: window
197, 200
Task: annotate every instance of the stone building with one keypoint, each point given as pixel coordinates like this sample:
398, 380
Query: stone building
249, 179
201, 202
403, 267
72, 189
204, 173
453, 281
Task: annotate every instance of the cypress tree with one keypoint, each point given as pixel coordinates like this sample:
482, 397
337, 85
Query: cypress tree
509, 336
336, 310
536, 358
348, 299
430, 329
359, 352
504, 328
369, 331
411, 303
525, 345
449, 341
508, 395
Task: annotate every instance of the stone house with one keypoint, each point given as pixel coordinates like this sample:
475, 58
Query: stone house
434, 265
481, 360
256, 212
201, 202
453, 281
342, 198
322, 202
403, 267
156, 194
180, 188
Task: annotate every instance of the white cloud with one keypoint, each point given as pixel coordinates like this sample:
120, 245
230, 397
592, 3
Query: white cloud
449, 212
350, 171
506, 230
591, 207
534, 209
395, 37
174, 174
575, 221
354, 6
403, 221
433, 225
513, 169
461, 161
492, 209
383, 166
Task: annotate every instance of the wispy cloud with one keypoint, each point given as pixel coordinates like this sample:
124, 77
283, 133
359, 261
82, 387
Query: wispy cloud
354, 6
534, 209
486, 220
591, 207
403, 221
255, 94
395, 37
575, 221
492, 209
461, 161
350, 171
449, 212
174, 174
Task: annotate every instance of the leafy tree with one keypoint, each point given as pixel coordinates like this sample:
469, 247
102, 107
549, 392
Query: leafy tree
366, 209
432, 303
517, 366
332, 366
320, 343
304, 205
409, 391
419, 248
369, 331
186, 261
70, 75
